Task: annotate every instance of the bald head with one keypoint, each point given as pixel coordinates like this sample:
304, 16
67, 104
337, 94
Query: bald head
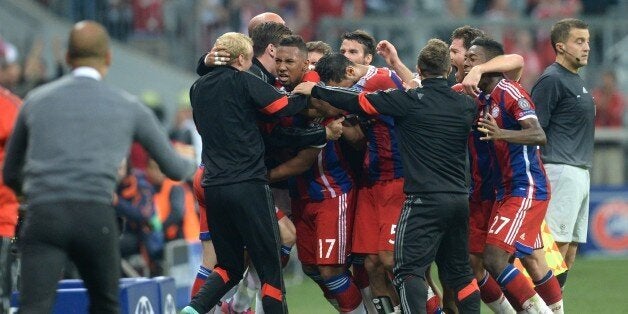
265, 17
88, 45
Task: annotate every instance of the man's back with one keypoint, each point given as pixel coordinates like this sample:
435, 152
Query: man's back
382, 160
78, 131
432, 124
433, 137
232, 144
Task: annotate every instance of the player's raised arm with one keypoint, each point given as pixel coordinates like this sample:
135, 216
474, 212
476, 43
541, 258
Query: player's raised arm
389, 53
511, 66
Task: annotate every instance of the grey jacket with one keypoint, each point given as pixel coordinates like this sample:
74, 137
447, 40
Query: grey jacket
72, 134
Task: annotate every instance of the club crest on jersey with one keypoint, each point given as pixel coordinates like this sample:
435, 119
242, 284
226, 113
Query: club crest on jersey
495, 111
524, 104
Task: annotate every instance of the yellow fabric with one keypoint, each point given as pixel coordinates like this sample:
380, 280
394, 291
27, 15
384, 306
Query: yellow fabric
554, 260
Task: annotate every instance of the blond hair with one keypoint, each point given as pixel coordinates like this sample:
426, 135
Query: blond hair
236, 44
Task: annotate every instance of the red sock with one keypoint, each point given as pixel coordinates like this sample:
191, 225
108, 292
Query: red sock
199, 281
517, 285
319, 281
349, 299
433, 304
549, 289
284, 260
489, 289
360, 276
285, 255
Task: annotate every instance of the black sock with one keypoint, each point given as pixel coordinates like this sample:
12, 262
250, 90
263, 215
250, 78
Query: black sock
471, 302
413, 294
210, 293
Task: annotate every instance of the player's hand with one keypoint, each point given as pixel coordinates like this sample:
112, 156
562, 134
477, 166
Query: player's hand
471, 81
488, 126
334, 129
387, 51
304, 88
217, 56
416, 82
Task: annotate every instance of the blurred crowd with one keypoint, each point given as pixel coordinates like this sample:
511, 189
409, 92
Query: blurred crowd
167, 17
193, 23
155, 209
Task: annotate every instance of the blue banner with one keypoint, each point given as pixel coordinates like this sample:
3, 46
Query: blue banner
608, 222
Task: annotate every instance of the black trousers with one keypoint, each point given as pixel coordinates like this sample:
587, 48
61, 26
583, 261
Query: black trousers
84, 232
243, 215
432, 227
7, 263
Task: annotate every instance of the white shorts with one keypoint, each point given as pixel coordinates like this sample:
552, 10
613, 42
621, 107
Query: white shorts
568, 211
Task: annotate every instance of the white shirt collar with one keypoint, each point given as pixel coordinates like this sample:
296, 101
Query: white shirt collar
87, 72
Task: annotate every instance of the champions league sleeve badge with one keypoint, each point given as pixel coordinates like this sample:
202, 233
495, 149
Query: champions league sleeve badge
524, 104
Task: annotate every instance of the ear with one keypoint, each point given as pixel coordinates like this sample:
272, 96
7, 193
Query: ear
350, 72
271, 50
560, 47
108, 57
306, 65
368, 58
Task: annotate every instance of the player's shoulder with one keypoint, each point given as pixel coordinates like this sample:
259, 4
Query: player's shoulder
311, 76
381, 79
510, 89
515, 96
371, 74
383, 71
552, 75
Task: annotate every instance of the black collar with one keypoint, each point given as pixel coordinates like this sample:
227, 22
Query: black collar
270, 78
434, 81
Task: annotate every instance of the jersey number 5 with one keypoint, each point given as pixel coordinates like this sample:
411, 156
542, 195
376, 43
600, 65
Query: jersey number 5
393, 230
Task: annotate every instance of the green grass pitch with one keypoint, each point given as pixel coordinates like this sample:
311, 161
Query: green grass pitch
594, 285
